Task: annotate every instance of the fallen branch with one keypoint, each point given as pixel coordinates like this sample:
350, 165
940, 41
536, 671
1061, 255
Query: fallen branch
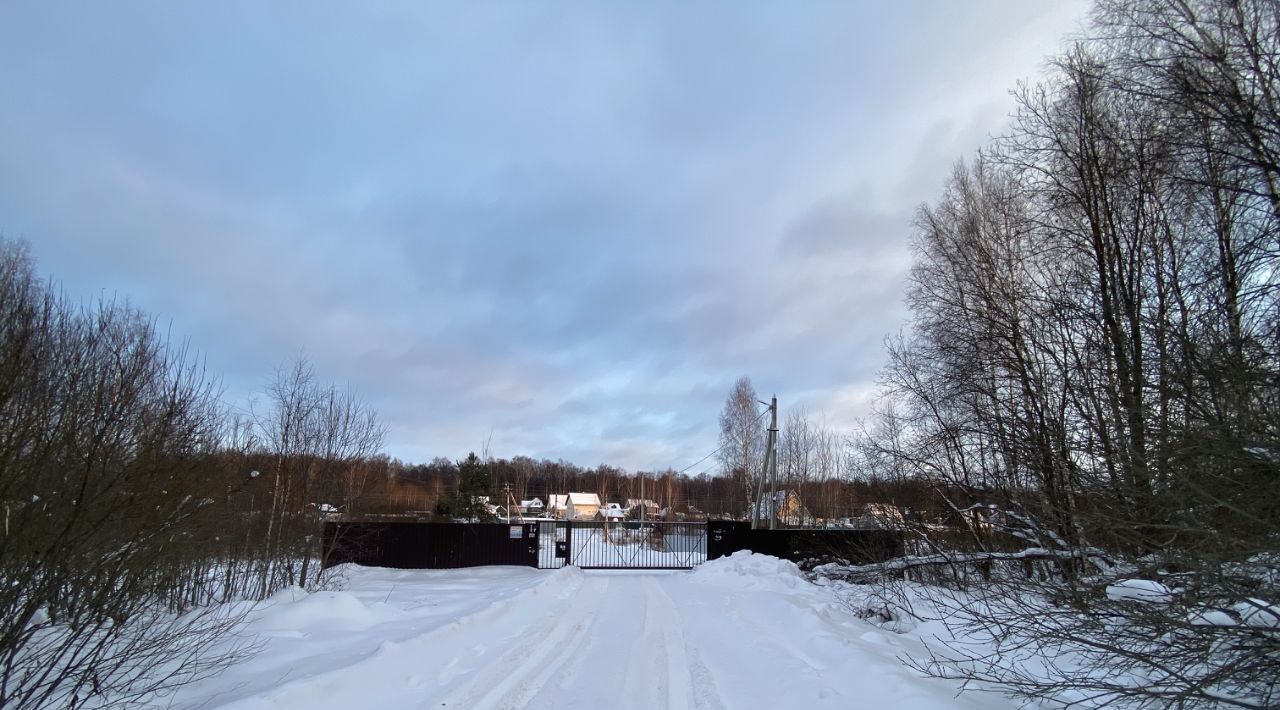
872, 571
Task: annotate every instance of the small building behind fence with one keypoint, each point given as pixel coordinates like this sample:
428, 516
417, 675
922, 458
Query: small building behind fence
581, 506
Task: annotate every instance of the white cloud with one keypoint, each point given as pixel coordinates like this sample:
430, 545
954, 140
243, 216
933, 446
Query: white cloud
573, 227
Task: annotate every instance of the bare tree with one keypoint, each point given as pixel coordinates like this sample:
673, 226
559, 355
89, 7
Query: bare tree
742, 437
1091, 380
318, 437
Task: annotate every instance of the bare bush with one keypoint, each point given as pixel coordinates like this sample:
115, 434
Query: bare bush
107, 436
317, 441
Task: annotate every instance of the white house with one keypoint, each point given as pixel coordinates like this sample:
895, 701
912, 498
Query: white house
533, 506
582, 506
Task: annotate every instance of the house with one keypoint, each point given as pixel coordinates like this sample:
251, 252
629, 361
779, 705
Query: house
983, 518
582, 506
684, 513
487, 505
532, 506
559, 505
791, 511
324, 509
611, 513
636, 506
883, 515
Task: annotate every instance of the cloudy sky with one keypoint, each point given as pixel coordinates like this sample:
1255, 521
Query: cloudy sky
565, 226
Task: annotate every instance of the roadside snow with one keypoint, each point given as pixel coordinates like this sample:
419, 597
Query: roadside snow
745, 569
1258, 613
1209, 617
747, 631
295, 610
1141, 590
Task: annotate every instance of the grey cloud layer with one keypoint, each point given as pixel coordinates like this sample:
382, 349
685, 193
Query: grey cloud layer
571, 227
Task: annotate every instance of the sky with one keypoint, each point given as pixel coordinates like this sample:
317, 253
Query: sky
564, 229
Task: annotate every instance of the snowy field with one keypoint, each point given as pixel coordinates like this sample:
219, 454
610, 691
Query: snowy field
741, 632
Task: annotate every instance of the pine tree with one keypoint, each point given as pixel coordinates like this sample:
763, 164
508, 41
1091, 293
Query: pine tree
472, 484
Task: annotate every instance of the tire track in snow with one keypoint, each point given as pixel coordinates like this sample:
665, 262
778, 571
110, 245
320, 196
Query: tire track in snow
507, 607
641, 669
675, 666
699, 685
512, 680
381, 667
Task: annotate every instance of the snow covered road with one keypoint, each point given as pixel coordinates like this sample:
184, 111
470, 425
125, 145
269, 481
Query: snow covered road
744, 632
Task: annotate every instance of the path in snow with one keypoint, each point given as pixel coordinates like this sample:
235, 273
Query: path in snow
747, 632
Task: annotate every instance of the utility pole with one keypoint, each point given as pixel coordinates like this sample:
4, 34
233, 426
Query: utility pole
643, 503
506, 488
773, 465
770, 455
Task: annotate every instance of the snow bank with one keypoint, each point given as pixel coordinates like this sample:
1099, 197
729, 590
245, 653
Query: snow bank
746, 569
286, 595
1140, 590
1204, 616
293, 609
379, 616
1258, 613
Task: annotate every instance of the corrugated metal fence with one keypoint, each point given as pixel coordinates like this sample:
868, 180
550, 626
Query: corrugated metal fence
804, 545
414, 545
590, 545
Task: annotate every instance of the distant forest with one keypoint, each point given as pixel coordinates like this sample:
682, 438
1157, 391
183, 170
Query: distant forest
383, 485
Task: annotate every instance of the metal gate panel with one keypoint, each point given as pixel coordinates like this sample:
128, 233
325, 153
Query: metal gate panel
552, 536
635, 545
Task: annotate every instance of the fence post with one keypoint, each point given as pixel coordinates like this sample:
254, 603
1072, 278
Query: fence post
568, 543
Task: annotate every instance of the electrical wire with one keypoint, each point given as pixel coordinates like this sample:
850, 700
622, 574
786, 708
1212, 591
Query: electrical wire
721, 448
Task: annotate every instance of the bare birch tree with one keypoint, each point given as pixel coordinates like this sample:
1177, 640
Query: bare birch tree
742, 437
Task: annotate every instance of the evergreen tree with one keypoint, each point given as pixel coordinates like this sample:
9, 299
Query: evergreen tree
466, 501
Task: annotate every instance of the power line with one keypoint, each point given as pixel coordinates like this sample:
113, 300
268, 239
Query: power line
718, 449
